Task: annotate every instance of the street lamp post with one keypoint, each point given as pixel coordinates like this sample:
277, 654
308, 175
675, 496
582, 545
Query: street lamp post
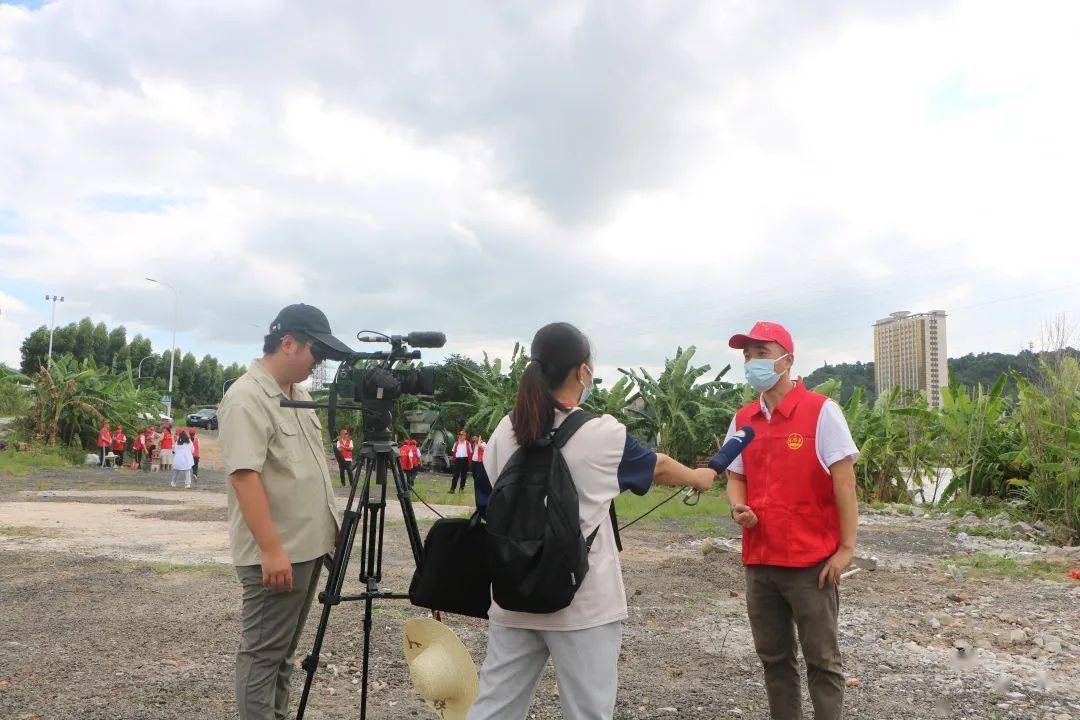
172, 350
52, 324
139, 376
226, 383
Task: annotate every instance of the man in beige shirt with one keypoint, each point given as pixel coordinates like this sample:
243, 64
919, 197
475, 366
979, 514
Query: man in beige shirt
283, 515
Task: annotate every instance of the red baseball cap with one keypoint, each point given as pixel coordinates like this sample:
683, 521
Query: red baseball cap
764, 332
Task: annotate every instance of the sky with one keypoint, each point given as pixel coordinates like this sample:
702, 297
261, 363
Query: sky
659, 174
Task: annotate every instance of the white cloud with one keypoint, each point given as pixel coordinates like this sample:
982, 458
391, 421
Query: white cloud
659, 174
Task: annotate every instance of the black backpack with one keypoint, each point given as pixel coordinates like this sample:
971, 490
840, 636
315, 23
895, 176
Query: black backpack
537, 555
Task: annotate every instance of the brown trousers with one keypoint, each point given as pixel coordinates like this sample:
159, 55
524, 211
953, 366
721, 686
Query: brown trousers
780, 600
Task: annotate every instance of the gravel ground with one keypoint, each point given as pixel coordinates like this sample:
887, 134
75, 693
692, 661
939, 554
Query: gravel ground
86, 636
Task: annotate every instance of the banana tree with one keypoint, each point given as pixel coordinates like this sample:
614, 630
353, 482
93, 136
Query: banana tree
881, 436
975, 437
71, 398
1049, 422
493, 392
682, 413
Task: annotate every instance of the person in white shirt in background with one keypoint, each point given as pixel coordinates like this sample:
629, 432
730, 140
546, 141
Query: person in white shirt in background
183, 459
461, 453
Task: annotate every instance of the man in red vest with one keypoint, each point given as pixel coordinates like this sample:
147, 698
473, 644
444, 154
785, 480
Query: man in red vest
405, 459
137, 446
166, 446
345, 447
104, 439
793, 493
119, 443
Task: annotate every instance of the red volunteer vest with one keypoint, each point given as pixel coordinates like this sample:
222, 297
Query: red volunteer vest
405, 457
166, 441
786, 486
194, 446
119, 441
345, 448
104, 438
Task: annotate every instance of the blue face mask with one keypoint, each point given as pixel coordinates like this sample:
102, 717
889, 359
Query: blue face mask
585, 393
761, 373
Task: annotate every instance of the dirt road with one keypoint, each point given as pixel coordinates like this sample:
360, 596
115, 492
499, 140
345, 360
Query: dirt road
117, 604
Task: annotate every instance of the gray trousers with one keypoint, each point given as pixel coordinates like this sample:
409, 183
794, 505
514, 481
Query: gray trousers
779, 602
586, 669
271, 626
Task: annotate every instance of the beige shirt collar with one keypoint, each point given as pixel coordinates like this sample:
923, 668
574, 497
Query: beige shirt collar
266, 381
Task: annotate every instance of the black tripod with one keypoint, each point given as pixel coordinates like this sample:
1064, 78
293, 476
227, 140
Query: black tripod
373, 389
378, 458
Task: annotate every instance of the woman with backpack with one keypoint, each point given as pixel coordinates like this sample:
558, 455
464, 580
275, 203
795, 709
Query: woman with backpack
583, 637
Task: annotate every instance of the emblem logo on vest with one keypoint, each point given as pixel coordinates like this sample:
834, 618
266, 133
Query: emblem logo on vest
794, 441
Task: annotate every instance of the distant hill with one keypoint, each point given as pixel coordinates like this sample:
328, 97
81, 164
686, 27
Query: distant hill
970, 370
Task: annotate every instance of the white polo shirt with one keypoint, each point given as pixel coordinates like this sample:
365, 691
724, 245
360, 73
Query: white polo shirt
603, 460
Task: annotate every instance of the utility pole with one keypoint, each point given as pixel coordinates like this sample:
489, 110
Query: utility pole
52, 323
172, 351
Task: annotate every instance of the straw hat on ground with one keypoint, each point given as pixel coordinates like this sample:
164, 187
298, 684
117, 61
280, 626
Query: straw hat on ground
441, 668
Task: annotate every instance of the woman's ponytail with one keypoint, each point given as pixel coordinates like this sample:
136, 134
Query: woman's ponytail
556, 349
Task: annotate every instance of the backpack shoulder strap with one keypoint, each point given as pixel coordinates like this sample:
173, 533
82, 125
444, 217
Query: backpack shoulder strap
570, 425
615, 525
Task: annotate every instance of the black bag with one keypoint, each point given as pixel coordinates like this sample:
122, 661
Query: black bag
453, 574
536, 553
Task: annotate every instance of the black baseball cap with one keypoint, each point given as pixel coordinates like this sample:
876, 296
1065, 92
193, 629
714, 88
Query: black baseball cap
310, 321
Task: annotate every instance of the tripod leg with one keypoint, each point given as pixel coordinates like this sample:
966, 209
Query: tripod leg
407, 514
331, 594
374, 520
367, 655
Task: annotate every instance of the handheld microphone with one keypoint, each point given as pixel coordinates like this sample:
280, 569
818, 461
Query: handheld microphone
426, 339
731, 449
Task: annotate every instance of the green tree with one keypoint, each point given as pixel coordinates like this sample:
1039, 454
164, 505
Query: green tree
184, 381
34, 350
116, 341
84, 340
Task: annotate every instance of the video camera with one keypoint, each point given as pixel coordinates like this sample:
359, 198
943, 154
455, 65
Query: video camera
372, 382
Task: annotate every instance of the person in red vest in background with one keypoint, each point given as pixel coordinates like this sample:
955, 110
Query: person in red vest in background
405, 459
166, 445
119, 443
194, 454
344, 446
460, 455
104, 439
137, 446
151, 442
793, 493
417, 460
